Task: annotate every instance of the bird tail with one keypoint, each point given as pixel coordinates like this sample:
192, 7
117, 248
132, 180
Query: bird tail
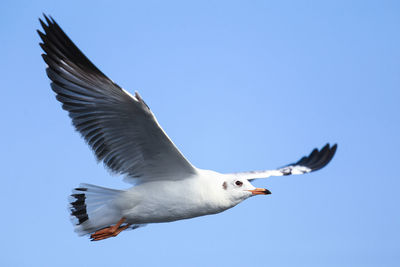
93, 207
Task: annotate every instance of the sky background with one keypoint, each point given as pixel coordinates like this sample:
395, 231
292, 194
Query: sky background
237, 85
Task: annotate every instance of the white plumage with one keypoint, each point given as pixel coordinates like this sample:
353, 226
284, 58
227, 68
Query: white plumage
125, 135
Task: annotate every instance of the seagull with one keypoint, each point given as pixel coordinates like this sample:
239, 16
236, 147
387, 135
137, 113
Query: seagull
126, 136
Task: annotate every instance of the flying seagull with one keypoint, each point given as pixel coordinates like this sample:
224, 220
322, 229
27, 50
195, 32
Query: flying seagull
124, 134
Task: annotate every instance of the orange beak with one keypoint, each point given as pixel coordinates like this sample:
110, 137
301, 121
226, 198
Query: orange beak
260, 191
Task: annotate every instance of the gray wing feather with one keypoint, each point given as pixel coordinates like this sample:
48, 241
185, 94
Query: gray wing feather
119, 127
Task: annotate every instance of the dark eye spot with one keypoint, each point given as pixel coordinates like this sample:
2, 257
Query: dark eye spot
239, 183
224, 185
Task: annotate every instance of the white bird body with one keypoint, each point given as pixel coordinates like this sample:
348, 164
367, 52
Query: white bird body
125, 135
168, 200
171, 200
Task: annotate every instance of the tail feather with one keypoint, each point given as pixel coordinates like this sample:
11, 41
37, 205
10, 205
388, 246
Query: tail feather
92, 208
78, 207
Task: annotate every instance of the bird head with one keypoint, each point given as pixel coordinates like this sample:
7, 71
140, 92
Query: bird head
240, 189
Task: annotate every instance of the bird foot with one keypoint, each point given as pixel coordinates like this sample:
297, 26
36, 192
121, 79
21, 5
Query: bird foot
110, 231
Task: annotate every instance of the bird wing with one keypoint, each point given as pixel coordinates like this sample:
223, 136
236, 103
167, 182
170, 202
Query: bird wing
313, 162
119, 127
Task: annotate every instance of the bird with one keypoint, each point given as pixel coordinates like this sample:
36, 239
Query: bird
125, 135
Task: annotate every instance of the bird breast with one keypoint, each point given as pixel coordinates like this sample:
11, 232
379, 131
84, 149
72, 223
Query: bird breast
165, 201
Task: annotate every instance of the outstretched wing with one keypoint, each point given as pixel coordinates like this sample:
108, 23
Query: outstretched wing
313, 162
119, 127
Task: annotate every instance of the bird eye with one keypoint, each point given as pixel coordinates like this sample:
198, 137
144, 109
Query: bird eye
239, 183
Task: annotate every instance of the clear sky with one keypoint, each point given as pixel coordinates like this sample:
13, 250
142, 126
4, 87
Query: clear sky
237, 85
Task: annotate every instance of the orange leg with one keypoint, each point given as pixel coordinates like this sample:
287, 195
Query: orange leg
110, 231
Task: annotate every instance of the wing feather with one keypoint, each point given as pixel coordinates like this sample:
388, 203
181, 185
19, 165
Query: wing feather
119, 127
316, 160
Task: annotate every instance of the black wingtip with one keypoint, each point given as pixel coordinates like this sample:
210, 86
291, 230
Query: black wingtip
47, 19
41, 35
52, 20
318, 158
44, 26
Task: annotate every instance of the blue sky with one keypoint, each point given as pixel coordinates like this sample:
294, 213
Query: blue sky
237, 85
